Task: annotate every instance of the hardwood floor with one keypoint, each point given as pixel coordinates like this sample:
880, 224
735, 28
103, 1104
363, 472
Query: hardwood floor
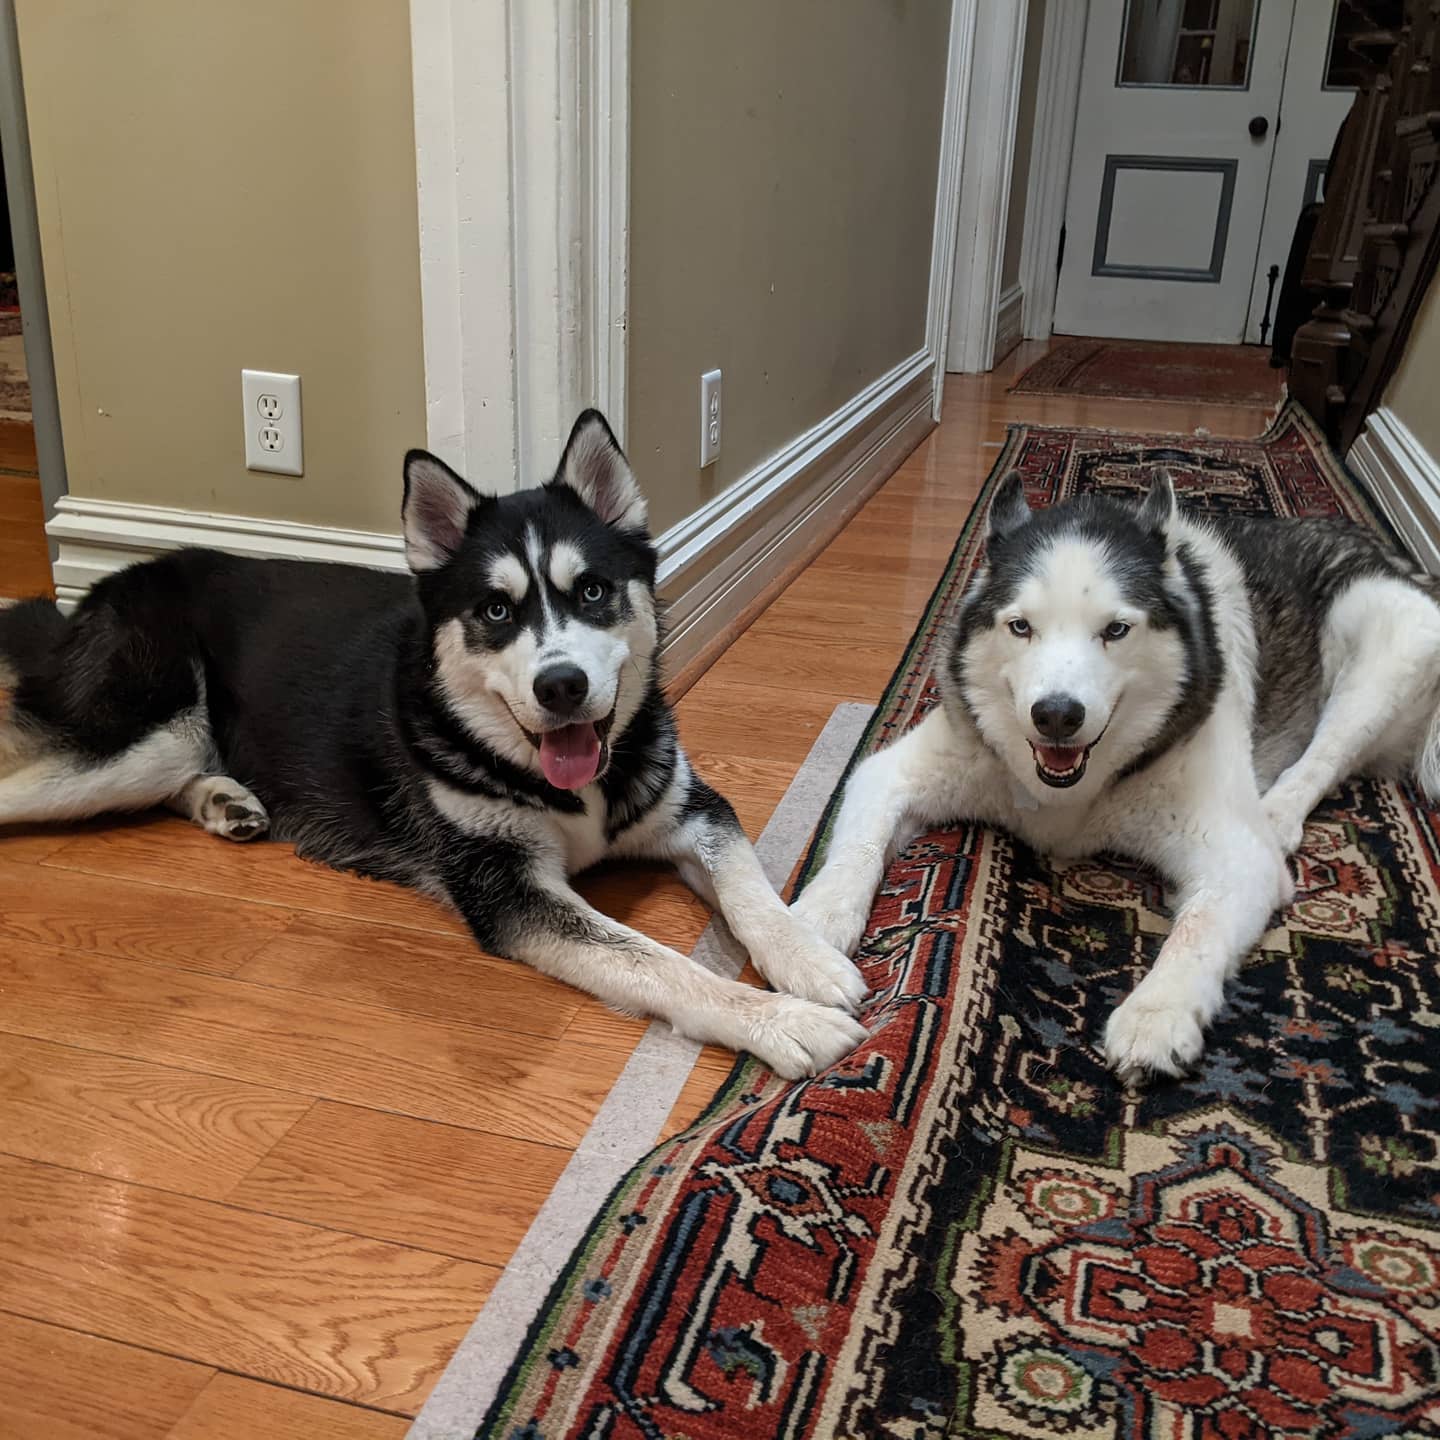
269, 1133
24, 556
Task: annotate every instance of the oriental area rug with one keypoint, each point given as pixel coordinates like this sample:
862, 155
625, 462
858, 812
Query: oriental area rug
968, 1227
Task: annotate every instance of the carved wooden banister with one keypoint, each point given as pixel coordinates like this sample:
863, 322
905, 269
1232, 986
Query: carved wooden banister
1377, 241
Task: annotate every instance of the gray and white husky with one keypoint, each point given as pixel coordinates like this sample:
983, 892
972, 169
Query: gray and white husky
1179, 689
480, 731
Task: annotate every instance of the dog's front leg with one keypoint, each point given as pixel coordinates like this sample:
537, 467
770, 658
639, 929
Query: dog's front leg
532, 914
921, 779
717, 861
1234, 885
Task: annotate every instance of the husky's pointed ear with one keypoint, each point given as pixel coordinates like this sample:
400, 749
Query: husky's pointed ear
436, 511
1159, 508
595, 468
1009, 510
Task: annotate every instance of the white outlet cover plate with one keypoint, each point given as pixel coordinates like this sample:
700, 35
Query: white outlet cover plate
272, 404
711, 417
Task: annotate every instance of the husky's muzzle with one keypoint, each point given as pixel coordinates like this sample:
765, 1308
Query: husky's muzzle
575, 754
1061, 766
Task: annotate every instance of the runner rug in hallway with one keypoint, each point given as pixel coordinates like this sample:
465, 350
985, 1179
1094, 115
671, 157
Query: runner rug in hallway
968, 1228
1153, 370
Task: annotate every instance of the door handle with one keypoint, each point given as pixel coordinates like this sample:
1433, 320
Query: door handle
1259, 125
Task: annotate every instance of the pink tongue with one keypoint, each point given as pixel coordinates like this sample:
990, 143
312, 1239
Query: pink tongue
570, 756
1059, 758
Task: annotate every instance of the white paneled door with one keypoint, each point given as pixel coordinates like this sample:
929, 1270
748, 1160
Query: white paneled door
1180, 104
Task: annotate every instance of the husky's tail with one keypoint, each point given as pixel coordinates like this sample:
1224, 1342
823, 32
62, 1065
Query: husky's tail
30, 631
30, 635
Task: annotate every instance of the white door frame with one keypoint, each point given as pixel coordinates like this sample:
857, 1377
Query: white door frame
1057, 102
30, 268
997, 58
958, 70
521, 151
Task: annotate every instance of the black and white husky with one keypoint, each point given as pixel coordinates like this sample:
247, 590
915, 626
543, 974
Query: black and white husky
1177, 689
479, 732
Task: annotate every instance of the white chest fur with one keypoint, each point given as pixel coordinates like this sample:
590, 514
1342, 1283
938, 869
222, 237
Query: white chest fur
583, 833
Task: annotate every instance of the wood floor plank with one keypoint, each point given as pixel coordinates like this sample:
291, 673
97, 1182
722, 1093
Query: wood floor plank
831, 666
696, 1094
457, 1074
443, 1189
651, 898
354, 1318
233, 1408
822, 592
172, 853
29, 844
20, 502
753, 786
862, 626
25, 567
780, 725
130, 1120
17, 446
56, 1384
411, 972
122, 917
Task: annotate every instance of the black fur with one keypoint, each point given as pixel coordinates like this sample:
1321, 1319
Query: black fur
1293, 570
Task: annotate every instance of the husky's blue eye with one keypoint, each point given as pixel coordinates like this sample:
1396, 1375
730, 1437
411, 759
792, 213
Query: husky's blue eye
1020, 628
497, 612
1115, 630
592, 592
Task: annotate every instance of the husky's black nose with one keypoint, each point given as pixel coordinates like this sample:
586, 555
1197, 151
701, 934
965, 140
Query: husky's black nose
1057, 717
561, 689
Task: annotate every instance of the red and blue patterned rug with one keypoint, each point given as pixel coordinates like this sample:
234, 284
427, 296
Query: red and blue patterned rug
968, 1228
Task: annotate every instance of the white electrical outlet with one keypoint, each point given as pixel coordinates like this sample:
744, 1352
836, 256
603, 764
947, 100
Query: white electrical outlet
274, 440
710, 418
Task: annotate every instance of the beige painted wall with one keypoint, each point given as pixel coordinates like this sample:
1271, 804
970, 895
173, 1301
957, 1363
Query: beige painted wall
1024, 129
224, 185
782, 186
1412, 393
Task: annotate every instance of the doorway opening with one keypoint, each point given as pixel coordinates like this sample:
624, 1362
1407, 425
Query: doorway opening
1204, 128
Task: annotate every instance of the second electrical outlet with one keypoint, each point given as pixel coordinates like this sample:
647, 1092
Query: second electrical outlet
710, 416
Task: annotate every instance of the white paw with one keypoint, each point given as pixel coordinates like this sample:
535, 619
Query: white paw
1158, 1030
837, 917
803, 964
233, 813
1289, 827
796, 1037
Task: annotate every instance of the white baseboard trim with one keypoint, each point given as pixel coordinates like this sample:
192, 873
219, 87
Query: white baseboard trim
716, 561
712, 564
1404, 479
1009, 322
97, 537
